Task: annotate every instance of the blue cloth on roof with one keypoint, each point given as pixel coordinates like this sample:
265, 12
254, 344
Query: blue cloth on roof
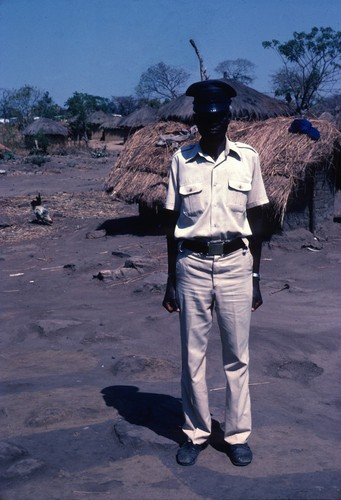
303, 126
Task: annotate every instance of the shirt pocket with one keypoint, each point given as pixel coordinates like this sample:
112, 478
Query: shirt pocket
238, 191
191, 196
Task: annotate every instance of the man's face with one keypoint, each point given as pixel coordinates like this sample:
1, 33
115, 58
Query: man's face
212, 125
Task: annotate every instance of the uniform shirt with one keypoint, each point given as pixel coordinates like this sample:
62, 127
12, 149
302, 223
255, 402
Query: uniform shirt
212, 196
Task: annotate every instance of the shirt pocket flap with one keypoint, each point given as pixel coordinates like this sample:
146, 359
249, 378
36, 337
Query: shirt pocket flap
239, 185
190, 189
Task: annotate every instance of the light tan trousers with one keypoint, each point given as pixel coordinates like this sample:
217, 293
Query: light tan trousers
206, 283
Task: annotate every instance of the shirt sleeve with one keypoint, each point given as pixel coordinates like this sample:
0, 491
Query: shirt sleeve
173, 201
257, 195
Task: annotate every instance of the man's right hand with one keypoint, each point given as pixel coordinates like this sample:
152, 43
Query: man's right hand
169, 301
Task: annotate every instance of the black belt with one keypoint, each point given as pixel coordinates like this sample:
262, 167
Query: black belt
213, 247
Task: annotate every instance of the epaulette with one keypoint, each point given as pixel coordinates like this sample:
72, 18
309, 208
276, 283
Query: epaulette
242, 145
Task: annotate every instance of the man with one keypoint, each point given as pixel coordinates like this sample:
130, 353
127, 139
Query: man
214, 248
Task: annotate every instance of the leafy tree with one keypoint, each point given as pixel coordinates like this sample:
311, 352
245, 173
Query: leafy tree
46, 107
162, 81
86, 103
20, 103
311, 65
25, 103
241, 70
79, 107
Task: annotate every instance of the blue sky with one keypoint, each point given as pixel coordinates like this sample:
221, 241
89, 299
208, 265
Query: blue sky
102, 47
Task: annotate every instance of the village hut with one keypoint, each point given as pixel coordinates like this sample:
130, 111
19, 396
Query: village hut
54, 132
140, 175
136, 120
94, 122
109, 129
248, 105
301, 175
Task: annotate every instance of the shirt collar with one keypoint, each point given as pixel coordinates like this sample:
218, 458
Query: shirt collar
196, 150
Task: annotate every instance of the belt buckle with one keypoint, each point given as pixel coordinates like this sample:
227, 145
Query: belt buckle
215, 248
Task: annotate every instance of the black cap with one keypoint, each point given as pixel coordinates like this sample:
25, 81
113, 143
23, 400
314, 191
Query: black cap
211, 96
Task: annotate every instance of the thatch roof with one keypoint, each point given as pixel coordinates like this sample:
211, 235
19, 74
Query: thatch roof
286, 158
98, 117
47, 127
249, 104
141, 172
110, 123
139, 118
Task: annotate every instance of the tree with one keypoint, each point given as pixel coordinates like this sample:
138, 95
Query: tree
241, 70
311, 65
25, 103
124, 105
46, 107
86, 103
79, 107
162, 81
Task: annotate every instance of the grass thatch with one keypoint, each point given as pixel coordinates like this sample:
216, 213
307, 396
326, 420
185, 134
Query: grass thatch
110, 123
286, 158
140, 174
47, 127
98, 117
139, 118
248, 105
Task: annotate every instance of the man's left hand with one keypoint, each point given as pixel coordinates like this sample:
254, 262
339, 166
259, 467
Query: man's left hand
257, 300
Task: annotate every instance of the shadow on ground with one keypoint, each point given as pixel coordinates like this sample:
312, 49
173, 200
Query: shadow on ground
158, 412
134, 225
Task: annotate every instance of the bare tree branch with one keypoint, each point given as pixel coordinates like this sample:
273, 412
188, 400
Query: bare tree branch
203, 72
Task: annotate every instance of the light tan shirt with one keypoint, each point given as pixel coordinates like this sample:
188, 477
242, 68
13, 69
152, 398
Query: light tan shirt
212, 196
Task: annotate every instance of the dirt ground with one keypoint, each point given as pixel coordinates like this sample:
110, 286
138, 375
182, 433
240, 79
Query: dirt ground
90, 361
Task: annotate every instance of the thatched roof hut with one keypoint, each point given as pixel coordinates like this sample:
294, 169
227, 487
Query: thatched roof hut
248, 105
300, 174
139, 118
296, 169
47, 127
140, 173
54, 132
109, 128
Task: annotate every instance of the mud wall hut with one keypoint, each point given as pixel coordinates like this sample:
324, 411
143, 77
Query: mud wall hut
109, 130
55, 132
300, 174
95, 121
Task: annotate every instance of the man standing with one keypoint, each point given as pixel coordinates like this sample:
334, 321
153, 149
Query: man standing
214, 246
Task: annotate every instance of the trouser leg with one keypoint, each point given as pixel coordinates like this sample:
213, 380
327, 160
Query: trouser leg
233, 295
194, 294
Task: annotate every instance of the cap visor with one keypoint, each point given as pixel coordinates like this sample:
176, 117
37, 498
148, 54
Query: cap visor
210, 107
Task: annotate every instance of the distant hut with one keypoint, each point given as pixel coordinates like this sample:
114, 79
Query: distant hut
109, 129
95, 121
137, 120
301, 175
54, 132
248, 105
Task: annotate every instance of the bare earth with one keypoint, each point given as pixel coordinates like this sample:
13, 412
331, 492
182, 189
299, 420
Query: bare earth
90, 362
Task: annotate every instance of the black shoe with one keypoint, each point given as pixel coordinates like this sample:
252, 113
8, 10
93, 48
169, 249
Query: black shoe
239, 454
188, 453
